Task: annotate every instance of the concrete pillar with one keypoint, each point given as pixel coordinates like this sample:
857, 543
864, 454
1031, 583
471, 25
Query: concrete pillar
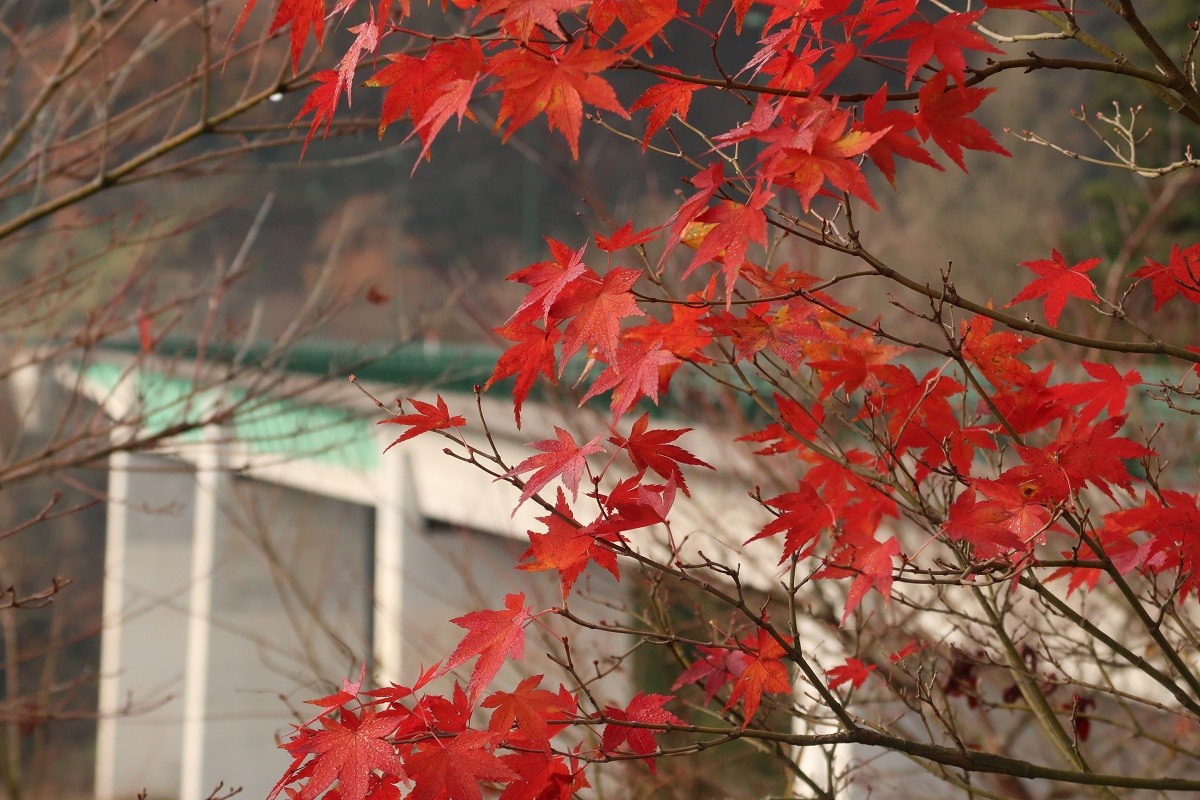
209, 489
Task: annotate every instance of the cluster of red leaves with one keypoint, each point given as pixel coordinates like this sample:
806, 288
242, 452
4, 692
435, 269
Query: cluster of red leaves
550, 58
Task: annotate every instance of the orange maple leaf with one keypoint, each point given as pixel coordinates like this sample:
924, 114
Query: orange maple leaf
554, 81
765, 673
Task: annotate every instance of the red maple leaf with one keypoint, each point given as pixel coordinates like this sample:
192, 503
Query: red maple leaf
531, 709
521, 18
348, 752
303, 15
533, 354
995, 354
716, 667
664, 100
366, 40
597, 308
643, 19
643, 708
681, 335
554, 81
431, 89
734, 227
636, 373
632, 505
652, 449
942, 115
1095, 454
428, 417
784, 436
1179, 276
803, 515
1108, 391
1056, 282
625, 236
451, 769
561, 456
763, 672
811, 146
566, 548
493, 636
547, 280
708, 182
946, 39
870, 561
983, 523
853, 672
895, 125
543, 776
321, 103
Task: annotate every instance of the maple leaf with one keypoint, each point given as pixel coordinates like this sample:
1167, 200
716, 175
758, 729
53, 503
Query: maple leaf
856, 366
1179, 276
812, 146
942, 116
716, 667
1056, 282
547, 280
597, 309
321, 103
631, 505
530, 708
566, 548
652, 449
366, 40
561, 456
708, 182
995, 354
664, 100
1095, 454
682, 336
303, 15
796, 422
522, 17
1031, 405
803, 515
895, 125
734, 227
451, 769
533, 354
789, 330
982, 523
493, 636
877, 17
543, 776
763, 672
646, 709
430, 90
554, 81
868, 560
853, 672
348, 693
625, 236
427, 417
643, 19
348, 752
946, 39
1108, 391
636, 373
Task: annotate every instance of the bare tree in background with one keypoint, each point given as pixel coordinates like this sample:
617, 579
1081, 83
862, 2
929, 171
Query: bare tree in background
109, 115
